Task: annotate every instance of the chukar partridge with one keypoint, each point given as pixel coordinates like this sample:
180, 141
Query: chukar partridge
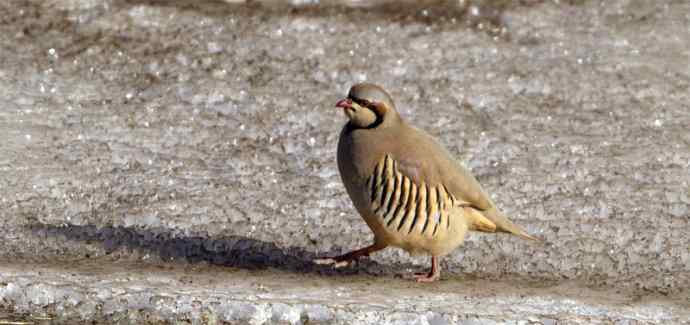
409, 190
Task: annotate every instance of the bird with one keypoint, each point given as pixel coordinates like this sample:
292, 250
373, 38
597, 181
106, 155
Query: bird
411, 192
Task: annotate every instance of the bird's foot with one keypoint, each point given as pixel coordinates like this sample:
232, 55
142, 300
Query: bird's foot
433, 274
421, 277
426, 277
337, 263
347, 259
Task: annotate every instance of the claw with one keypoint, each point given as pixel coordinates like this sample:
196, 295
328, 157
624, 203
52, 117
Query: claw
324, 261
331, 261
426, 278
431, 276
346, 259
340, 264
421, 277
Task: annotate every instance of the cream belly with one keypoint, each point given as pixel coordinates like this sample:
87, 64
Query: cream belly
416, 241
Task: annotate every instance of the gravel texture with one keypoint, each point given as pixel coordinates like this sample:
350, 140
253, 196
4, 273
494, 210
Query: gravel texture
142, 293
157, 141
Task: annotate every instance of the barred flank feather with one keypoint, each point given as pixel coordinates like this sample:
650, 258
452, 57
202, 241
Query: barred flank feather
407, 207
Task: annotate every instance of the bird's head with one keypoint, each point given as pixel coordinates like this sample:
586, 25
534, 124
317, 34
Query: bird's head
368, 106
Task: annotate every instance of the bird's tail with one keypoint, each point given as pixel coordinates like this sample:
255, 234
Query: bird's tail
503, 224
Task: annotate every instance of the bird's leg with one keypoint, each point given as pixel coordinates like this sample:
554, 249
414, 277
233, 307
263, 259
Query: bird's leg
433, 275
346, 259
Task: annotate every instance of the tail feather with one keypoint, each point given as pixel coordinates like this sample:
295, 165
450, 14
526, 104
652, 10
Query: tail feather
503, 224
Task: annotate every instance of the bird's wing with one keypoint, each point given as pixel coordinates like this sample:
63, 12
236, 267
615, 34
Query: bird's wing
430, 163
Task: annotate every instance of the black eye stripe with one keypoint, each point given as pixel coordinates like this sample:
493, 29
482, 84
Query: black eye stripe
362, 102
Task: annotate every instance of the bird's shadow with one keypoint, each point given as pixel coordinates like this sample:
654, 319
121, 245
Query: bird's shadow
231, 251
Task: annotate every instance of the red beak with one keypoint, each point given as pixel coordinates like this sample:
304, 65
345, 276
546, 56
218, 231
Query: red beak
344, 103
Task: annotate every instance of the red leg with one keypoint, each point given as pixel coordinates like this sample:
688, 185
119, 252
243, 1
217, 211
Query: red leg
345, 259
433, 275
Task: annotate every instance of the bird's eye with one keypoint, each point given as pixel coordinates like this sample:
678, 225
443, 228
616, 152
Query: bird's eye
363, 102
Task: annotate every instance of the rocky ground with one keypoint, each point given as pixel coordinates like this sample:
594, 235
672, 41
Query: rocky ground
172, 161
